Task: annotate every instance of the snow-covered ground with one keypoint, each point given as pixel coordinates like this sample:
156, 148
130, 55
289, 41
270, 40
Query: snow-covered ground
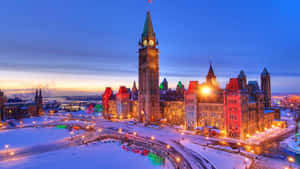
38, 120
290, 145
219, 158
93, 156
17, 138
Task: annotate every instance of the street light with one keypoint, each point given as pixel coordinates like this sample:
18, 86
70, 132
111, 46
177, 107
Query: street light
12, 153
177, 159
291, 160
205, 90
99, 130
120, 130
246, 162
6, 147
72, 133
168, 146
134, 133
152, 137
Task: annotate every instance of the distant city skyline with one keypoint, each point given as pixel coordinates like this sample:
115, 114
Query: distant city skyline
84, 47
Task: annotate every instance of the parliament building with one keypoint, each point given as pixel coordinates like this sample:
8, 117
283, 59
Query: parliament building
241, 109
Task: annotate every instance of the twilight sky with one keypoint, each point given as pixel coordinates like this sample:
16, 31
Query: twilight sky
75, 45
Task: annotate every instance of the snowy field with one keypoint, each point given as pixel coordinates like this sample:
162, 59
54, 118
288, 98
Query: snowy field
93, 156
17, 138
219, 158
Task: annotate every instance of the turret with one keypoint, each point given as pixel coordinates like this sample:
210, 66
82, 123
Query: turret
265, 81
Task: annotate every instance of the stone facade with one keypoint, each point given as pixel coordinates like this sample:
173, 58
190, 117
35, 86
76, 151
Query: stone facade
122, 103
148, 75
265, 81
21, 109
238, 110
173, 112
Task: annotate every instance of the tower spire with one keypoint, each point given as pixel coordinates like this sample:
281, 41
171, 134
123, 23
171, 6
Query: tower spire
40, 94
148, 28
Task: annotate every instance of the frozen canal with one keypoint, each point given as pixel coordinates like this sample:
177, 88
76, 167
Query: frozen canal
30, 136
93, 156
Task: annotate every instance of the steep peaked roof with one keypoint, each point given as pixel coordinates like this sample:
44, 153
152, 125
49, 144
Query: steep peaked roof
242, 74
265, 72
211, 71
148, 28
193, 87
233, 84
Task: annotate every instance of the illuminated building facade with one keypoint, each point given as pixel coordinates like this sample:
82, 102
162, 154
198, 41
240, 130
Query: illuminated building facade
238, 110
109, 104
173, 112
122, 102
149, 106
204, 103
190, 101
3, 100
21, 109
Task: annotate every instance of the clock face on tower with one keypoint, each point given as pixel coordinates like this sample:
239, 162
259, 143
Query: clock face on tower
145, 42
151, 43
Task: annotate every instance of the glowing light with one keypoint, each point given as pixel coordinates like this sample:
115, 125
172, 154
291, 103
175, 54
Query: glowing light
152, 137
6, 146
291, 159
238, 143
205, 90
168, 146
178, 159
248, 135
120, 130
182, 133
99, 130
252, 151
82, 137
134, 133
206, 137
12, 153
256, 132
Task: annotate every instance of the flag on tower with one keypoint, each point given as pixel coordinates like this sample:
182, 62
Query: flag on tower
150, 1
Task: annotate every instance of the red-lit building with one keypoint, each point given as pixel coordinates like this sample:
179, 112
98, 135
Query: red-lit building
236, 109
122, 102
109, 104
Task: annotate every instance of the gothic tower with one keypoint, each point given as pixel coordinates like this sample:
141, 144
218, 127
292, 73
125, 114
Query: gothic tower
211, 78
39, 102
265, 81
242, 79
149, 108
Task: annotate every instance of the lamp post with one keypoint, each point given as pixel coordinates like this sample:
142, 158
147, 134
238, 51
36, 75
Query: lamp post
291, 160
182, 134
33, 123
6, 146
246, 163
72, 133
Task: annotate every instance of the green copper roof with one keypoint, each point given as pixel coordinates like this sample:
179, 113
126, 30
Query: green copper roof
179, 84
148, 28
161, 86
